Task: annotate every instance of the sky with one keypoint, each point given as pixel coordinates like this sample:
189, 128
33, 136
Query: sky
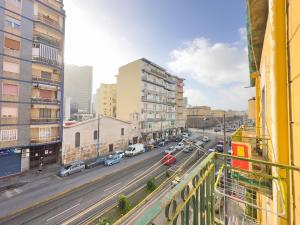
199, 40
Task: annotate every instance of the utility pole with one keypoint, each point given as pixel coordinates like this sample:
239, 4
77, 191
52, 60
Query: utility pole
98, 135
226, 174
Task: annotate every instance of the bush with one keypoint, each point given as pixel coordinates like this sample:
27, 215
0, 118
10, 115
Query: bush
151, 185
123, 204
103, 222
168, 174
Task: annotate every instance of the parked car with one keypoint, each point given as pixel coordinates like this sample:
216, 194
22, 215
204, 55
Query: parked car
219, 148
178, 139
149, 147
179, 146
187, 149
161, 143
171, 150
135, 149
217, 129
97, 162
168, 160
211, 150
74, 167
205, 139
120, 152
112, 159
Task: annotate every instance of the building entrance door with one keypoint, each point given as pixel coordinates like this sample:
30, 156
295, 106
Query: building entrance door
111, 148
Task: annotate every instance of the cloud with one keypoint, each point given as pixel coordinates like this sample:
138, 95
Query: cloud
212, 64
220, 69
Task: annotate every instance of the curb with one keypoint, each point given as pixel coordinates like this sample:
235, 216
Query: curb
63, 193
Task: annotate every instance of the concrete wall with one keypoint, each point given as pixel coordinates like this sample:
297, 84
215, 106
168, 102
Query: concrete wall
110, 133
129, 90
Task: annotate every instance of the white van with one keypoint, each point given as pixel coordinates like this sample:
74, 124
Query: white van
205, 139
134, 149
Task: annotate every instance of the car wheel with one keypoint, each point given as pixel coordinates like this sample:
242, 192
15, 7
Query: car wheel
67, 174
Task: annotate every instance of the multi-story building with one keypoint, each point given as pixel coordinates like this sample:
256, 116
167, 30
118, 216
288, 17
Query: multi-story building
180, 121
148, 89
106, 100
199, 111
78, 86
31, 54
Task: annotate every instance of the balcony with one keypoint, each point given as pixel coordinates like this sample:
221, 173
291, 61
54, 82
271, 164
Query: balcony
57, 5
47, 61
44, 120
44, 100
45, 140
48, 21
45, 80
44, 39
205, 197
14, 6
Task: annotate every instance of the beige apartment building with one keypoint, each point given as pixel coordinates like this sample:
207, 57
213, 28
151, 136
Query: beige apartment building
106, 100
198, 111
81, 138
149, 90
31, 89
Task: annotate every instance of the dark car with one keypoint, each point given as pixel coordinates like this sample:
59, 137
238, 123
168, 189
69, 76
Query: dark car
178, 139
97, 162
219, 148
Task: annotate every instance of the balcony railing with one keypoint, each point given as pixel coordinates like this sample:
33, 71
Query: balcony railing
45, 80
53, 4
45, 139
46, 60
46, 40
44, 100
45, 120
48, 21
206, 197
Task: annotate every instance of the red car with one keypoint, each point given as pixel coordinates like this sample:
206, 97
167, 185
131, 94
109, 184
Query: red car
168, 160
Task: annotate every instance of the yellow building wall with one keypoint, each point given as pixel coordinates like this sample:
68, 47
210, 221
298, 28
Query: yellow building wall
106, 100
294, 66
251, 109
293, 55
129, 88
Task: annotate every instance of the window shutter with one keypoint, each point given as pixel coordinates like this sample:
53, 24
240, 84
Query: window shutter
12, 44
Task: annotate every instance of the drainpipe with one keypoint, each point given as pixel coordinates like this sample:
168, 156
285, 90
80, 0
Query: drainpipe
279, 83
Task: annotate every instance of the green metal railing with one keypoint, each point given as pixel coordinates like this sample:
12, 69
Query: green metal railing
194, 199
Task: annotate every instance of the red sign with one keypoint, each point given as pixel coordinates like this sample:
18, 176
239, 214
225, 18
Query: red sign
243, 150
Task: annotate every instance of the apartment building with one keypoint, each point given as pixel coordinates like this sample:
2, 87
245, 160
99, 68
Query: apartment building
180, 121
149, 90
106, 100
32, 40
78, 81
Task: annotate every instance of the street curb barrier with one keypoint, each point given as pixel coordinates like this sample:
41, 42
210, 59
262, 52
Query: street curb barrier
63, 193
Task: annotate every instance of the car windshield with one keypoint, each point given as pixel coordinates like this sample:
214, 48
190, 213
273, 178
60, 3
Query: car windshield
67, 167
130, 149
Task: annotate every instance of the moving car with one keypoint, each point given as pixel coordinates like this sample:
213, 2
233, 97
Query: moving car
168, 160
134, 150
219, 148
205, 139
171, 150
179, 146
187, 149
97, 162
74, 167
112, 159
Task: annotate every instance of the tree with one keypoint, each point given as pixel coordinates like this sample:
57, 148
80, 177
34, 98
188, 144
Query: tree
151, 184
123, 204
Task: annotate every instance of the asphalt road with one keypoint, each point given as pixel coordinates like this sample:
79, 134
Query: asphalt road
79, 205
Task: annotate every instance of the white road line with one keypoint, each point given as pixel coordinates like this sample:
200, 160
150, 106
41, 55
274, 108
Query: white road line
112, 187
63, 212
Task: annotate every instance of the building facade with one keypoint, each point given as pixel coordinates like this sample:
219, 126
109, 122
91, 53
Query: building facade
78, 86
106, 100
251, 109
149, 90
81, 138
32, 40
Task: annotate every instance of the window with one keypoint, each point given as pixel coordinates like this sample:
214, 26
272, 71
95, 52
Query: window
11, 67
122, 131
8, 135
9, 111
95, 135
46, 94
12, 44
77, 139
10, 89
45, 113
12, 22
45, 133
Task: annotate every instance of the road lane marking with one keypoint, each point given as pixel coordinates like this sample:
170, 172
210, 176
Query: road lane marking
112, 187
63, 212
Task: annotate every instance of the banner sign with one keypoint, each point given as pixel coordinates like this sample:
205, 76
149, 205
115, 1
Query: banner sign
241, 149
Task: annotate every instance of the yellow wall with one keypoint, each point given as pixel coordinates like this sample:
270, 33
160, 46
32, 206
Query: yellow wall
294, 65
106, 100
251, 109
129, 87
293, 100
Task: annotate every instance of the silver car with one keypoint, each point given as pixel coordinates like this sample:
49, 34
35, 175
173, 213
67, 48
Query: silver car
74, 167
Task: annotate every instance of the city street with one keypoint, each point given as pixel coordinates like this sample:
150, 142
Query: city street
121, 178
